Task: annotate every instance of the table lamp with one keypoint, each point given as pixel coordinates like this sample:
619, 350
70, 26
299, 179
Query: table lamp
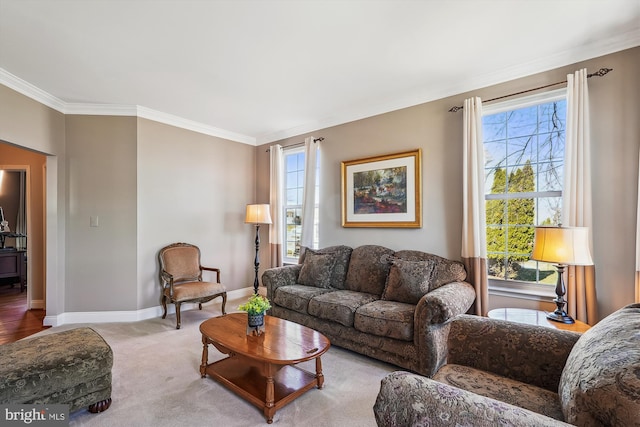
561, 246
257, 214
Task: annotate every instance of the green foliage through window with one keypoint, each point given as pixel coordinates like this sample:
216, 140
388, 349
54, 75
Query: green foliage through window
524, 150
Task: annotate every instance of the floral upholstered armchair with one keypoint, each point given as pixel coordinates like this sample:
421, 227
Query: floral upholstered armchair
504, 373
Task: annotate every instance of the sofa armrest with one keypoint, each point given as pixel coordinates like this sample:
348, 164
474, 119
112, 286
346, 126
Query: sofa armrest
407, 399
445, 303
430, 322
273, 278
528, 353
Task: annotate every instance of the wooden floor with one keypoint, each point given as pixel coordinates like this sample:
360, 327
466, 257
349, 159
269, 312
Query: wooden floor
16, 321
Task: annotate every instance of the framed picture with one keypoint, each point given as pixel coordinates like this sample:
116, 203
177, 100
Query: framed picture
382, 191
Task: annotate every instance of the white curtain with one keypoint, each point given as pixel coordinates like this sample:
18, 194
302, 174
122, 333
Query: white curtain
311, 148
474, 248
637, 297
276, 202
576, 195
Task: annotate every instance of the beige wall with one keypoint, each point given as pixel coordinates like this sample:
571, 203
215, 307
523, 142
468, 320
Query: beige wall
193, 188
101, 182
614, 103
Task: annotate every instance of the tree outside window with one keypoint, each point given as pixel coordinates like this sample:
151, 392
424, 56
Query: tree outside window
524, 151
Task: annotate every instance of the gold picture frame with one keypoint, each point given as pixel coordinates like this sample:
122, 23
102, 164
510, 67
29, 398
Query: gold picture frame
382, 191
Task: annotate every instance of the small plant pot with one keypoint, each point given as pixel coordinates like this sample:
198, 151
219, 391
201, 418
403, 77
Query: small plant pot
255, 320
255, 324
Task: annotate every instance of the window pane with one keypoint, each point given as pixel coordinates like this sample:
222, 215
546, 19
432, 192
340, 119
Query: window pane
494, 127
522, 122
548, 210
294, 186
524, 151
550, 176
521, 150
495, 153
292, 197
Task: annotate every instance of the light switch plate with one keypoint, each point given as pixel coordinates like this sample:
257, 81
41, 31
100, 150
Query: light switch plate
93, 221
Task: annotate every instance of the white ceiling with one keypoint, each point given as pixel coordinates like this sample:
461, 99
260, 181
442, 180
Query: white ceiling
256, 71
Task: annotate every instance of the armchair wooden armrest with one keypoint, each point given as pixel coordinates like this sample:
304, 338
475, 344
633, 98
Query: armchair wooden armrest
215, 270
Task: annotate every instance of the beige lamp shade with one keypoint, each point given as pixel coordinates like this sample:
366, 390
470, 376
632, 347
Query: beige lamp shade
258, 214
562, 245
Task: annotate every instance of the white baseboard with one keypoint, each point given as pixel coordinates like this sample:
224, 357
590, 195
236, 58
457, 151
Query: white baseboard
126, 316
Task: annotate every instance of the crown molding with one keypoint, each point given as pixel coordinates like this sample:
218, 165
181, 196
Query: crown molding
180, 122
30, 91
601, 47
37, 94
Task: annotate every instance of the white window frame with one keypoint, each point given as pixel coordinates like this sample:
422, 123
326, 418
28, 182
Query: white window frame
514, 288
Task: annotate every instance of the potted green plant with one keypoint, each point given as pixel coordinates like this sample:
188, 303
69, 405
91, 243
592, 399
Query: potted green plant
255, 307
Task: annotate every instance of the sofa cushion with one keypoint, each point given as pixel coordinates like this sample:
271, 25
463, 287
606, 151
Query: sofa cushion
504, 389
386, 319
297, 297
600, 383
408, 281
339, 306
368, 269
445, 270
317, 269
341, 254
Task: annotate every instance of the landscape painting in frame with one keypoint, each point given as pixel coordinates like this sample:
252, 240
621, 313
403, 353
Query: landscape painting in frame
382, 191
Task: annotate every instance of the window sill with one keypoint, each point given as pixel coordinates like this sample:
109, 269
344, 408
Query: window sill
522, 291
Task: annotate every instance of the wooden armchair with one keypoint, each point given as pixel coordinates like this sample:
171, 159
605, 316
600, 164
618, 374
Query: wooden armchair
181, 279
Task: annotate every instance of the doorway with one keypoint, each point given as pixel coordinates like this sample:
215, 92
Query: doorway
22, 197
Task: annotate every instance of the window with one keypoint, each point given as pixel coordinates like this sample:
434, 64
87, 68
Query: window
294, 162
524, 156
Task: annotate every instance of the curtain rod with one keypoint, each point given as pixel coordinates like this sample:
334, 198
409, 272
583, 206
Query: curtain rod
299, 144
600, 73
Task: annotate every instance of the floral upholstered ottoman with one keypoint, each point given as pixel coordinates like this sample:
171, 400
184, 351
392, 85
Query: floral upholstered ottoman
71, 367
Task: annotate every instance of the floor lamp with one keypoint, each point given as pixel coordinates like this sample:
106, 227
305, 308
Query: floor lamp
561, 246
256, 215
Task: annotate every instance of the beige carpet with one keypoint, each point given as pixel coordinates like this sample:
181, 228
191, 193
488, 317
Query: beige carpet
156, 381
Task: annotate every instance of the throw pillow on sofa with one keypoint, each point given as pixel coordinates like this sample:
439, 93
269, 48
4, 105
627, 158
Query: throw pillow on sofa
408, 281
317, 269
342, 254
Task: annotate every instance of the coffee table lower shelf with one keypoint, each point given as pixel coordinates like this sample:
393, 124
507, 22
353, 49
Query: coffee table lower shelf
263, 384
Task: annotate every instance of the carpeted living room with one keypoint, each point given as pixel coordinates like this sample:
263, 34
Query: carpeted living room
331, 213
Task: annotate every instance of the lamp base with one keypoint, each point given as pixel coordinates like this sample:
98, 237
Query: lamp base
560, 316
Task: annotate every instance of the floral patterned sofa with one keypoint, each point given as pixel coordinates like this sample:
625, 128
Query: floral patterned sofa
504, 373
385, 304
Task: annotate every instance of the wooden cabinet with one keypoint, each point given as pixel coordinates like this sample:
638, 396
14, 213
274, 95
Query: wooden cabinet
13, 265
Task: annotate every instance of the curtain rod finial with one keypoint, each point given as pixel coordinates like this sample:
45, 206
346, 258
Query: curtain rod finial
601, 72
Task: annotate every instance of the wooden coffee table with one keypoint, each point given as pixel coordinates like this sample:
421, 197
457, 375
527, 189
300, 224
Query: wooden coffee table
262, 369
